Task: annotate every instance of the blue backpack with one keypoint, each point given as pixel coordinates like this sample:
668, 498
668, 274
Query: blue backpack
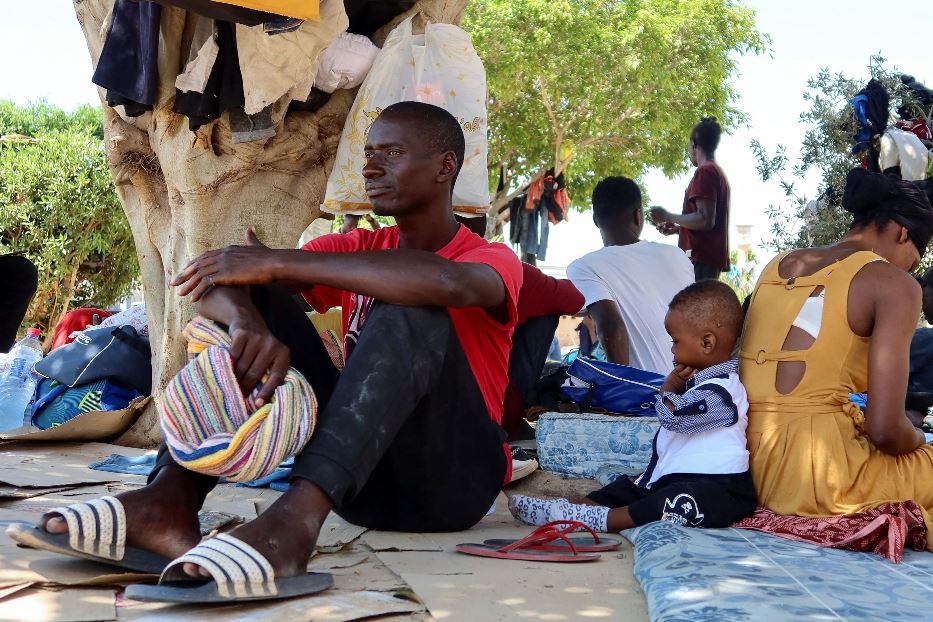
616, 388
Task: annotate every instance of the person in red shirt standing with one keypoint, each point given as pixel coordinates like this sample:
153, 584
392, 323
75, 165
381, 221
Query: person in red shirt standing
408, 436
703, 227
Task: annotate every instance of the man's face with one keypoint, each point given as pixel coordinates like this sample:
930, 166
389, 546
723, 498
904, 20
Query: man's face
692, 152
401, 172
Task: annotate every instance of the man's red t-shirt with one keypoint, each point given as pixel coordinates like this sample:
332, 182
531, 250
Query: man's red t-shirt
708, 247
485, 341
544, 295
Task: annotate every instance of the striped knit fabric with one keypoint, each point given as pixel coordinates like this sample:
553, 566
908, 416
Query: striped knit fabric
207, 424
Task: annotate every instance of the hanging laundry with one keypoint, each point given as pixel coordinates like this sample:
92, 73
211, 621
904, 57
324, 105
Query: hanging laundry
554, 197
345, 63
281, 25
517, 219
224, 87
903, 149
536, 231
246, 128
248, 12
201, 57
316, 99
915, 126
128, 63
870, 106
921, 96
368, 16
286, 64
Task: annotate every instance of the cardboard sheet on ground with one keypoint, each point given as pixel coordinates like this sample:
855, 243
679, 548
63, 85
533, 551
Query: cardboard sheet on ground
68, 571
50, 465
356, 568
98, 425
337, 533
59, 606
459, 587
331, 606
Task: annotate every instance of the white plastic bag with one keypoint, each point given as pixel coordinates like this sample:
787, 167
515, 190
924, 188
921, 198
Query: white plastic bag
439, 67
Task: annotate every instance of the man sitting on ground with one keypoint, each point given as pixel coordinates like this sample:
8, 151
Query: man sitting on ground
541, 301
408, 436
628, 283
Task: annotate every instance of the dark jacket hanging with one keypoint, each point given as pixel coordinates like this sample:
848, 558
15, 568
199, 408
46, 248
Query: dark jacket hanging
128, 66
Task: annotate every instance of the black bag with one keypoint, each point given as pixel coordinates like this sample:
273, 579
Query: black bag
119, 355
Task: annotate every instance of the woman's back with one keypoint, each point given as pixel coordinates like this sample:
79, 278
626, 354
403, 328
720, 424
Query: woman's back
783, 364
809, 454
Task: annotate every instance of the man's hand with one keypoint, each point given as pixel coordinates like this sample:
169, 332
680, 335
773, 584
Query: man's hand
676, 381
659, 216
255, 350
252, 264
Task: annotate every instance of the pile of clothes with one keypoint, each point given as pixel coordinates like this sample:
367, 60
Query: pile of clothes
545, 202
93, 365
240, 61
904, 148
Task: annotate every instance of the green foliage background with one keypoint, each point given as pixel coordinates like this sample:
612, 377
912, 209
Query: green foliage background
58, 204
625, 82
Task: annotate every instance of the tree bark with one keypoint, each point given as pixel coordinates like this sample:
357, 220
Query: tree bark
187, 192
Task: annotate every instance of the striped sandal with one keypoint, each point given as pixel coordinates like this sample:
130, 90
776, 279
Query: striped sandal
96, 531
238, 571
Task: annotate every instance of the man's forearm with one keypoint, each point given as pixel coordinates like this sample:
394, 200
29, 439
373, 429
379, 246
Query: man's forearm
227, 304
396, 276
615, 343
693, 221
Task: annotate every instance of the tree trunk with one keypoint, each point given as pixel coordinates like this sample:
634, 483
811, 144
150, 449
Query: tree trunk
187, 192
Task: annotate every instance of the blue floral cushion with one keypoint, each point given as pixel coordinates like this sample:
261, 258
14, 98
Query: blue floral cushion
709, 575
577, 445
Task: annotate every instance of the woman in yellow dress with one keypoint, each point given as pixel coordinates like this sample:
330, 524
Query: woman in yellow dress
828, 321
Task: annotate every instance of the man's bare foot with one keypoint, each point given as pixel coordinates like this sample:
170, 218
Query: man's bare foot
161, 518
286, 533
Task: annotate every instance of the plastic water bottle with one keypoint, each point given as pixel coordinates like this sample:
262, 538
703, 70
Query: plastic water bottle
19, 383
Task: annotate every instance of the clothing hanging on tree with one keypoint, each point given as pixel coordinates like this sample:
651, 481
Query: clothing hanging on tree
224, 87
554, 197
918, 127
128, 64
870, 106
545, 203
921, 97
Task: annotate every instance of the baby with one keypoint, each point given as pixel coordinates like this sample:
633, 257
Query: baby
698, 473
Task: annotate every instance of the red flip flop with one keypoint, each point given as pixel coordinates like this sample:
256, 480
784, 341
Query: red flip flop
541, 539
533, 547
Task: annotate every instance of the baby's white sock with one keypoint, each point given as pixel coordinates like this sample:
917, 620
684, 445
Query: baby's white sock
533, 511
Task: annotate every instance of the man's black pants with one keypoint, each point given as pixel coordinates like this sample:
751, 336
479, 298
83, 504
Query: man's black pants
403, 441
19, 280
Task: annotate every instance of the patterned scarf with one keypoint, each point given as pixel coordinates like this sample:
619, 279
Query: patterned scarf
207, 424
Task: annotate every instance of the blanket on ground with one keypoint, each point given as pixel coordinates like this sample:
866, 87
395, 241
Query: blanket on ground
884, 530
708, 575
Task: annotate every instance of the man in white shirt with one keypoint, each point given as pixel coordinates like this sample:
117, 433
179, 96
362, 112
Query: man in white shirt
629, 283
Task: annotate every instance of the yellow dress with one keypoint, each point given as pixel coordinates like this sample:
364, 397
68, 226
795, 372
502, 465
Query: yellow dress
808, 450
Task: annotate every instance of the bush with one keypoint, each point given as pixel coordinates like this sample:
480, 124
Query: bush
58, 204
